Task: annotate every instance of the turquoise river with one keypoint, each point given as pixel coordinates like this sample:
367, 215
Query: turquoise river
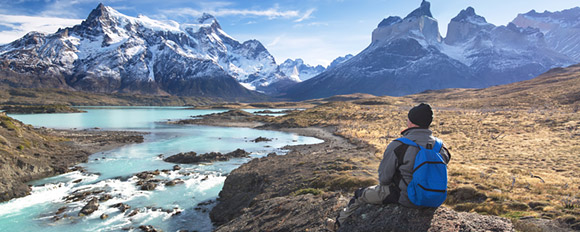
169, 208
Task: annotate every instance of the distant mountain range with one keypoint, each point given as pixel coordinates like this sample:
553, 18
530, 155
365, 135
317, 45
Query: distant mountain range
297, 69
408, 55
113, 53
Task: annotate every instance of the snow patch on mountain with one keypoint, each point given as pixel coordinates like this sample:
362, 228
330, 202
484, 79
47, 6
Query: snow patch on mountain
561, 29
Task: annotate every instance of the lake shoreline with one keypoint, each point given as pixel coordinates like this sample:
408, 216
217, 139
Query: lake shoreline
36, 153
265, 182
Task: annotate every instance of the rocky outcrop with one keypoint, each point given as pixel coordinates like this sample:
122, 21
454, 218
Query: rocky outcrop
149, 186
90, 207
192, 157
238, 192
148, 228
174, 182
229, 118
395, 217
288, 213
260, 139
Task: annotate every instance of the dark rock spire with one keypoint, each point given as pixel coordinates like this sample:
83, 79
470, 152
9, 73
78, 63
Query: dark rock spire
423, 10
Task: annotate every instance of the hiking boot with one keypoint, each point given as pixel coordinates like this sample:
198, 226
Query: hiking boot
332, 224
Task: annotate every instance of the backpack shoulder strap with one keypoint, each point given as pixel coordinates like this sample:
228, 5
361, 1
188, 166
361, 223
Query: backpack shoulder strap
400, 153
407, 141
438, 145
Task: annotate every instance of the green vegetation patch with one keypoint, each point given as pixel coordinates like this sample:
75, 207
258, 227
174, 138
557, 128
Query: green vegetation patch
516, 214
305, 191
7, 123
343, 182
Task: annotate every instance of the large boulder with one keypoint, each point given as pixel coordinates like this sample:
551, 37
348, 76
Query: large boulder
90, 207
395, 217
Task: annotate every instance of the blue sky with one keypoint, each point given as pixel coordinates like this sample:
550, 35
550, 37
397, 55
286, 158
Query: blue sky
317, 31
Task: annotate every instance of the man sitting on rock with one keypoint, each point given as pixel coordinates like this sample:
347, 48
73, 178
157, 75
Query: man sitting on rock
395, 175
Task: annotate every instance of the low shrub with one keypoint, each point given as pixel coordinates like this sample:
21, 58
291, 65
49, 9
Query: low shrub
305, 191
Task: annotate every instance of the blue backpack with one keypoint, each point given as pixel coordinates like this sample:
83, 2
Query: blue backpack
429, 184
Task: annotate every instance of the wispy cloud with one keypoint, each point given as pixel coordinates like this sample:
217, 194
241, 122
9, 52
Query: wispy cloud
307, 15
270, 13
275, 41
219, 11
19, 25
64, 9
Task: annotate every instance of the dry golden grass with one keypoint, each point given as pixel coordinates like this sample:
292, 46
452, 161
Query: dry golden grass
514, 152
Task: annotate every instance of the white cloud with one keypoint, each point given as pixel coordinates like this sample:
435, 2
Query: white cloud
275, 41
271, 13
305, 16
20, 25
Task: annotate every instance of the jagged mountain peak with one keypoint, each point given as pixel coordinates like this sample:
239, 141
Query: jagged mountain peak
468, 15
300, 71
419, 25
207, 19
296, 61
423, 10
102, 12
466, 26
391, 20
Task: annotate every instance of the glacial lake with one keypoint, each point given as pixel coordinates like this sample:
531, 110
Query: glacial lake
169, 208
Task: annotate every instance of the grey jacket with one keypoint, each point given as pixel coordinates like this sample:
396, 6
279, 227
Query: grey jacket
389, 163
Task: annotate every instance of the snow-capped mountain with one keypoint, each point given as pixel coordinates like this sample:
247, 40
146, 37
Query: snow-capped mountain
112, 52
300, 71
499, 54
561, 29
408, 55
401, 59
339, 60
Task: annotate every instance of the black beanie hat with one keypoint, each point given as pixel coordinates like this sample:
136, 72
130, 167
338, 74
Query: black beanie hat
421, 115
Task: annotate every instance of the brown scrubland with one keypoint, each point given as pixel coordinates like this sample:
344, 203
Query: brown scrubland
515, 148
